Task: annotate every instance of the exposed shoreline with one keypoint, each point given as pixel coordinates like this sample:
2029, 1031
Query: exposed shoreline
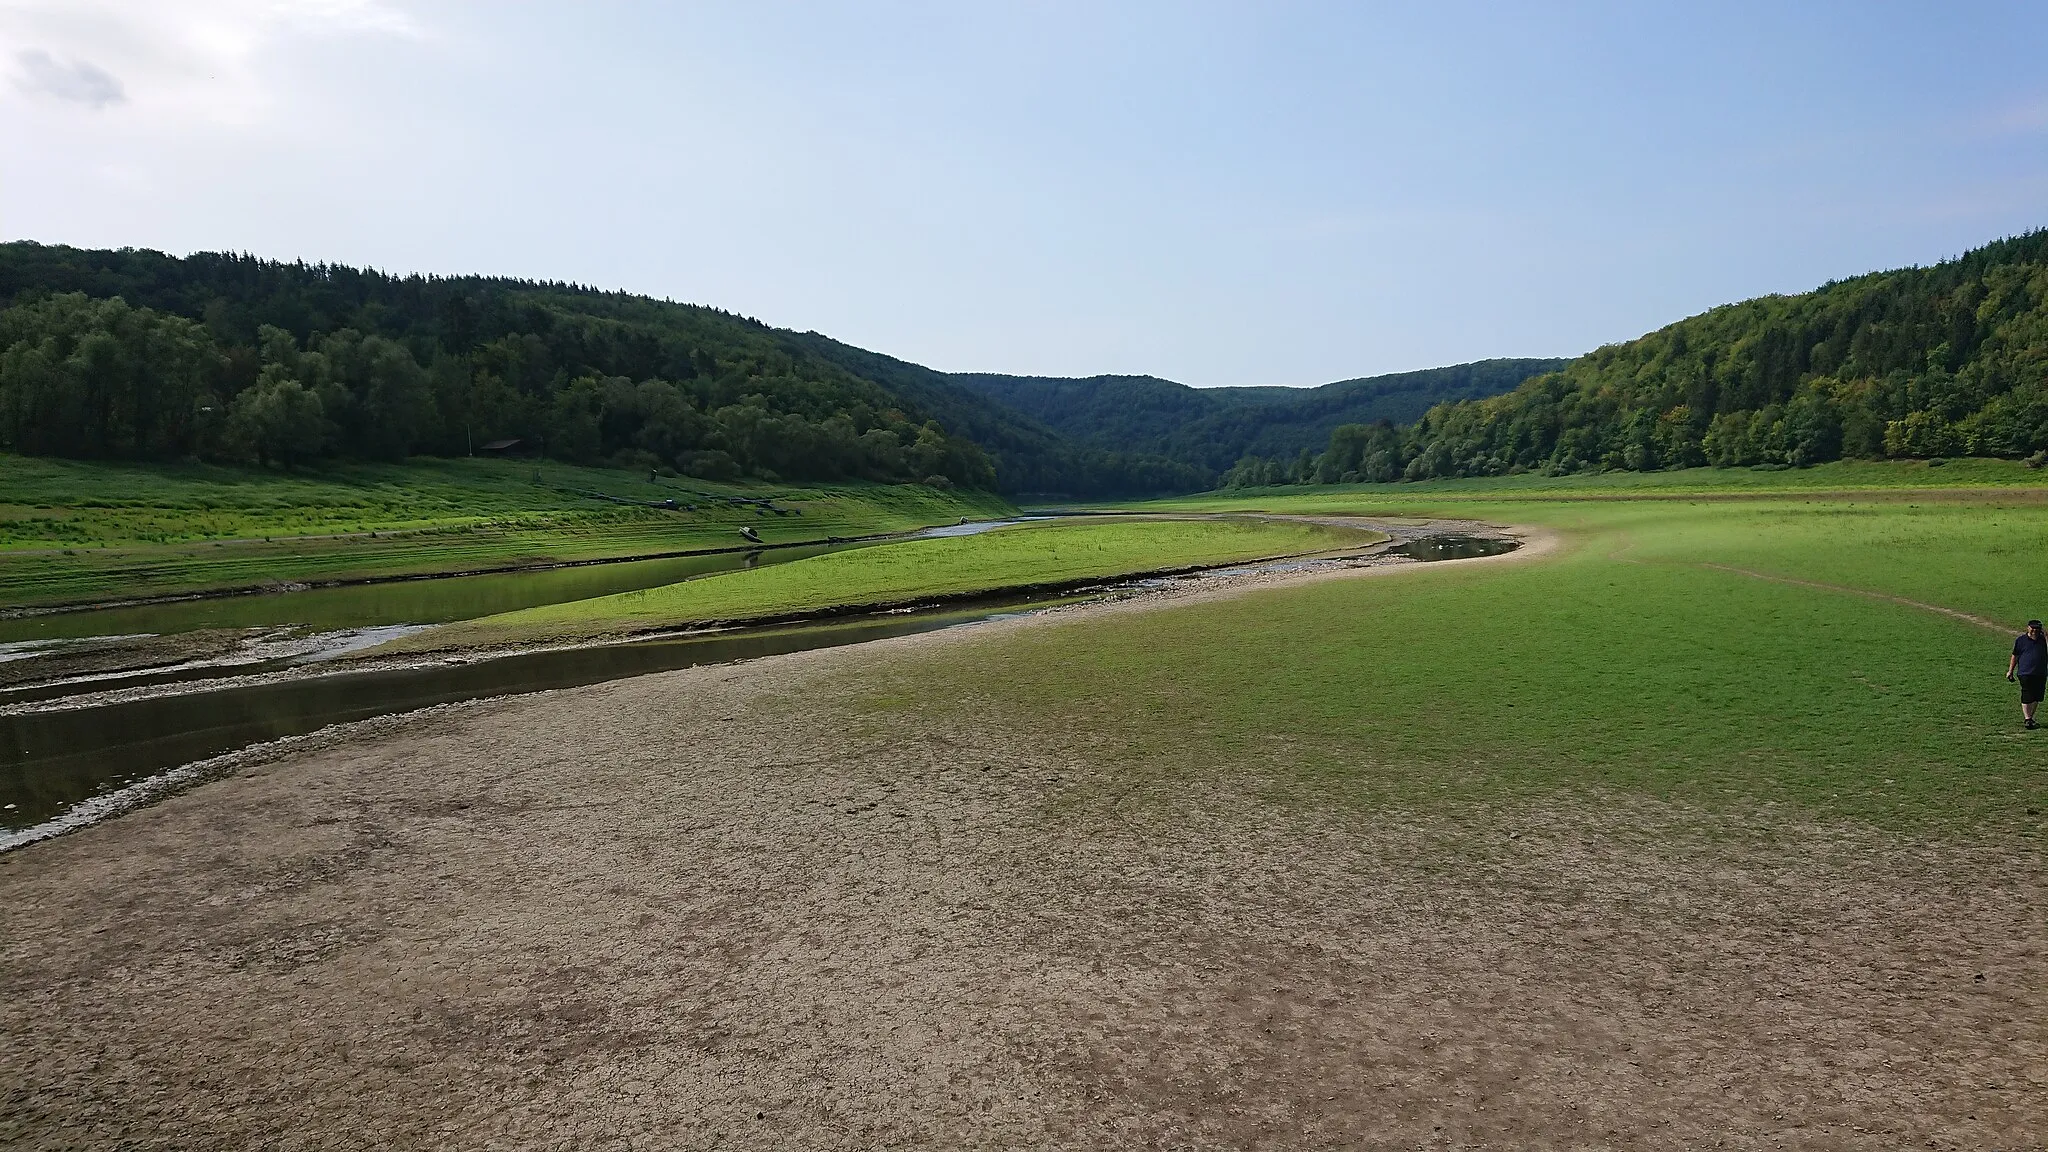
1181, 587
933, 601
1531, 543
725, 908
274, 587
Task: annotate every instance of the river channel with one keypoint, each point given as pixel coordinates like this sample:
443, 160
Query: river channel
53, 761
63, 765
415, 601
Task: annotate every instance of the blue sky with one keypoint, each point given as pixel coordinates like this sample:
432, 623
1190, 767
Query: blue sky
1217, 193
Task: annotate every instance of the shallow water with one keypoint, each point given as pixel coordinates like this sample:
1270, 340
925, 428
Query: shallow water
976, 527
422, 601
53, 762
1453, 548
426, 600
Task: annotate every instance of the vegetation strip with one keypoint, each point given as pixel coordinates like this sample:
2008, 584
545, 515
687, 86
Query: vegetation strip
455, 574
1018, 559
85, 533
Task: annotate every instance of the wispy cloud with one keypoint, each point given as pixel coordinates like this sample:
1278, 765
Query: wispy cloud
77, 81
192, 61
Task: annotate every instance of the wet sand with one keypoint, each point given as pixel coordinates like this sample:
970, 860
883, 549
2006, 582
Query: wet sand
725, 908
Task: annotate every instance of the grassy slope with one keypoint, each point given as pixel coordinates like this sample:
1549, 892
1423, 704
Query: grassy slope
1027, 554
72, 531
1627, 662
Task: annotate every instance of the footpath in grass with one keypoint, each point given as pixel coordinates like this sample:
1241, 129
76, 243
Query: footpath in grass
1022, 556
1710, 652
73, 532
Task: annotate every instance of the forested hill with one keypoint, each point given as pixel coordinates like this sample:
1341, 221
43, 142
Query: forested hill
134, 354
1922, 362
138, 355
1210, 429
1031, 456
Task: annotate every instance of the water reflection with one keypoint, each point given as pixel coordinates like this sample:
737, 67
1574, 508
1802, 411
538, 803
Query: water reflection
50, 761
423, 601
1453, 547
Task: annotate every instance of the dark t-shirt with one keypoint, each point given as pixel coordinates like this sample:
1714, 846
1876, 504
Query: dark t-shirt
2032, 653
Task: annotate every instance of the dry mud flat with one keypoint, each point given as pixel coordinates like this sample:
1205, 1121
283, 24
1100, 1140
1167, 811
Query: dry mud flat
719, 908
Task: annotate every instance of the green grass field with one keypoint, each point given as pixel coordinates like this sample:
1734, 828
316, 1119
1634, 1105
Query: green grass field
1664, 651
74, 532
1023, 555
1871, 477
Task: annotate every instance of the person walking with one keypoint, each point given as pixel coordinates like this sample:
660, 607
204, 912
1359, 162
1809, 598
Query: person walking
2029, 666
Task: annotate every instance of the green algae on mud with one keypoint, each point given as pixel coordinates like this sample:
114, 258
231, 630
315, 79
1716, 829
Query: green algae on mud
1031, 556
78, 532
1840, 655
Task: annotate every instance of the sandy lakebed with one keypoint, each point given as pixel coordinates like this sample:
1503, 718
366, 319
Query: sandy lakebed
724, 908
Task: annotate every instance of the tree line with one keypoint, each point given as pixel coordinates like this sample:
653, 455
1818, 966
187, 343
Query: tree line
1206, 429
138, 355
1947, 360
1033, 458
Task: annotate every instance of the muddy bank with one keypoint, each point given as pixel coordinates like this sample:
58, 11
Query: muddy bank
65, 660
87, 748
219, 652
256, 632
84, 749
731, 908
428, 644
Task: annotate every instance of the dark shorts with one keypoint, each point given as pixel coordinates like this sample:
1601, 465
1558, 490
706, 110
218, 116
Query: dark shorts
2031, 686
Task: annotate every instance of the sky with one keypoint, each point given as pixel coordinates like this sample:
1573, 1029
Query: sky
1221, 194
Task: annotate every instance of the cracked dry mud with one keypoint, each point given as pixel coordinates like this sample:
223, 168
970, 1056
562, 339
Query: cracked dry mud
722, 908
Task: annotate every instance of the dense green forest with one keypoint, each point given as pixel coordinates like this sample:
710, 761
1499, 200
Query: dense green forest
1947, 360
134, 354
139, 355
1207, 430
1032, 457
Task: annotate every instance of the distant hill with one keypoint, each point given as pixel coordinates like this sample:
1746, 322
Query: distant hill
1946, 360
1032, 458
1210, 429
135, 354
